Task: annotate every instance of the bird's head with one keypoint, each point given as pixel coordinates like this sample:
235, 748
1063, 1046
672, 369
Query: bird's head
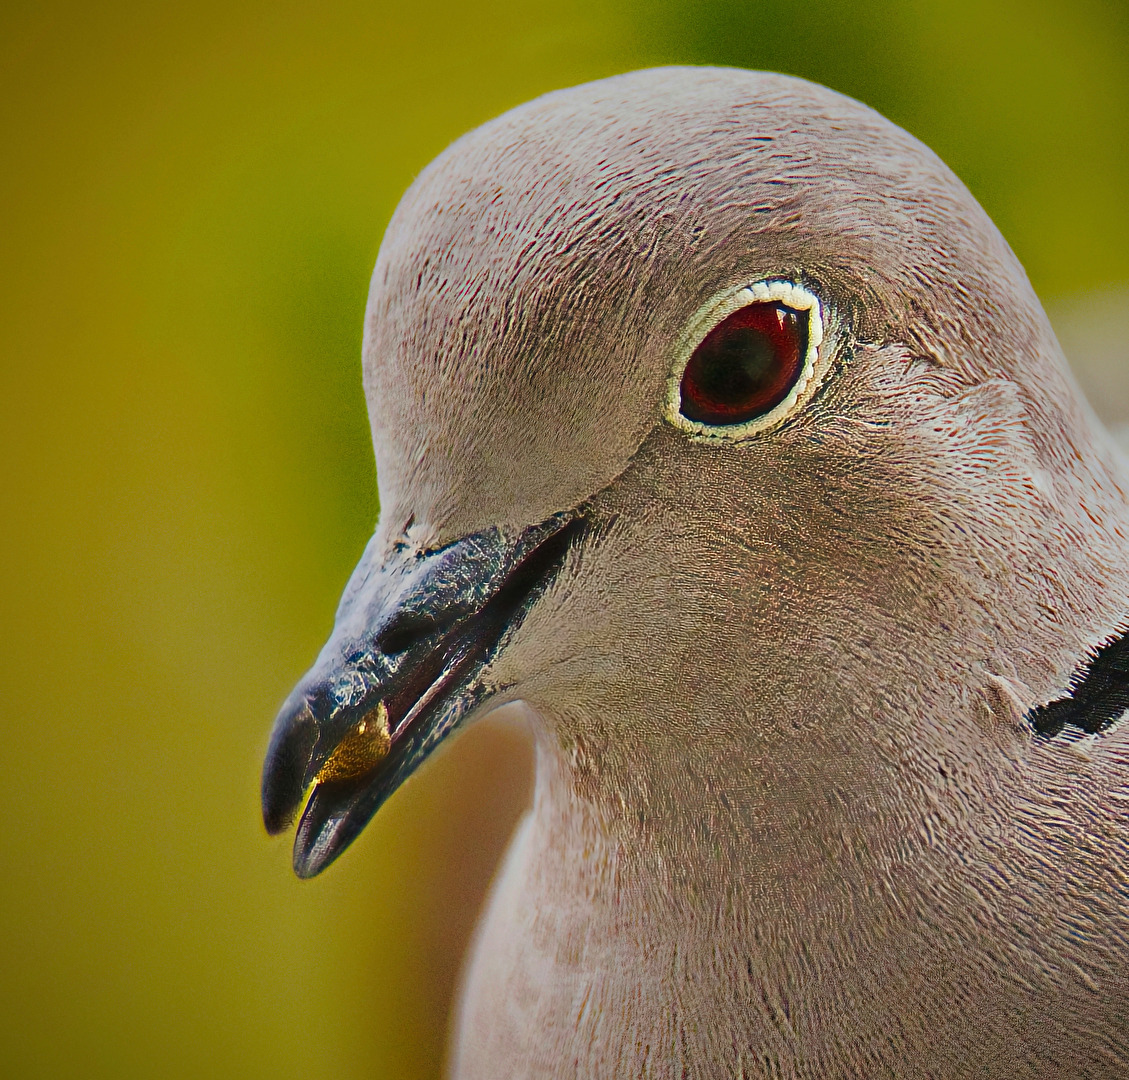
712, 417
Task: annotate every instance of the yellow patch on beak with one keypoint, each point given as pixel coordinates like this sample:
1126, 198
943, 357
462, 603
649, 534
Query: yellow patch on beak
362, 749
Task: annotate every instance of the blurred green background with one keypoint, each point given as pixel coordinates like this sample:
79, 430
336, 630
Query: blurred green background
193, 196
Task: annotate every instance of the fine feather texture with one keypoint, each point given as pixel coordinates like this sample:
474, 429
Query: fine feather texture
789, 819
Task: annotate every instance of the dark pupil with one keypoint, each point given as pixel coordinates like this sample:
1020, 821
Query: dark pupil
745, 365
737, 367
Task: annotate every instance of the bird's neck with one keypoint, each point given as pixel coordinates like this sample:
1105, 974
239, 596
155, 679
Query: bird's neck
607, 907
786, 912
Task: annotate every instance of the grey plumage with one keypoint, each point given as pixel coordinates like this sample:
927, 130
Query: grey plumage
792, 817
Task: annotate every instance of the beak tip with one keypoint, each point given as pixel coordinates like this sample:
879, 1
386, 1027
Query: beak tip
303, 871
307, 864
281, 793
284, 770
275, 819
313, 851
329, 824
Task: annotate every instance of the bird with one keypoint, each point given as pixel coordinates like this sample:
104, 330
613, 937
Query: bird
720, 433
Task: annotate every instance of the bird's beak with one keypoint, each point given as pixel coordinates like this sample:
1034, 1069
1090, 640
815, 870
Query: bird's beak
404, 666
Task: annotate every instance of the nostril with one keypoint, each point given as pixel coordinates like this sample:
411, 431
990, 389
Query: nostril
403, 630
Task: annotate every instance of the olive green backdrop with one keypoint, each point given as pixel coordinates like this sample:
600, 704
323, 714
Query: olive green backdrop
192, 198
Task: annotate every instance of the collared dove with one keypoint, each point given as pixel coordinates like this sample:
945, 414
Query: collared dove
716, 423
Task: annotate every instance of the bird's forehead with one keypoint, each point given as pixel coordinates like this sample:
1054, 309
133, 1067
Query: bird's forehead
534, 281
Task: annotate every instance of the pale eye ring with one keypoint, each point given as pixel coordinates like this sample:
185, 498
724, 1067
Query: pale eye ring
747, 361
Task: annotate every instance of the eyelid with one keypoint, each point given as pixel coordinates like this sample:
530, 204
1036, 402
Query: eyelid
776, 290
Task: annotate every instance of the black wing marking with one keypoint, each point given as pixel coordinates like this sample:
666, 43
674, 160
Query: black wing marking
1098, 694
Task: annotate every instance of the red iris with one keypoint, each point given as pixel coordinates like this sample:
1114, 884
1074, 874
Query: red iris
746, 365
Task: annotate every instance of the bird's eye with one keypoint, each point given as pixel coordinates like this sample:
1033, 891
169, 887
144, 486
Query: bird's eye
745, 366
752, 356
